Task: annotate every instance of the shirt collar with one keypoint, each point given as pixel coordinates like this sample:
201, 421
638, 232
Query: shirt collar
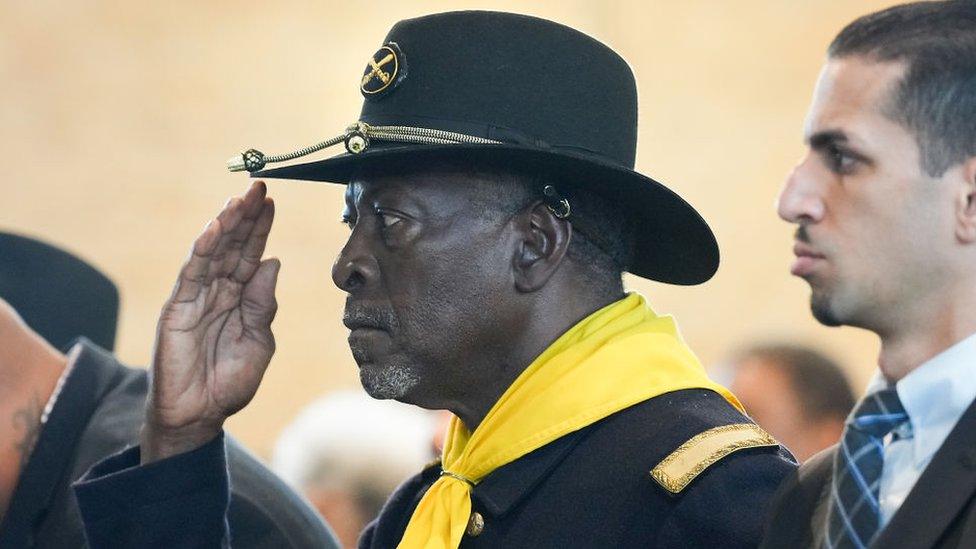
52, 401
935, 395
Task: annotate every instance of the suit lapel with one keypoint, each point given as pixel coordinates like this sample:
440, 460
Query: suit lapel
798, 506
818, 520
943, 489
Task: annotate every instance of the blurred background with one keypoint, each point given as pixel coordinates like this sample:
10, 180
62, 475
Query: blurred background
116, 119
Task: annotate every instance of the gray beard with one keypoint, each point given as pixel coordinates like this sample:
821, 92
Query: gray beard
388, 383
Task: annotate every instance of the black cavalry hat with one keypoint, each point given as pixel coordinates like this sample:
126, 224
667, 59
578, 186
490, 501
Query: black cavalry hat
489, 87
57, 294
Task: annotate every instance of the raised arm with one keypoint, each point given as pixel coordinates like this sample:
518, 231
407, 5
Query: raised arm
213, 340
213, 344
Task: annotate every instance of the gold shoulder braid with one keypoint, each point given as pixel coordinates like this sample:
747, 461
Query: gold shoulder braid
676, 471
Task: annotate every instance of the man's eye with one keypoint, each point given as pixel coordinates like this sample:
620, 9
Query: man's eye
838, 160
348, 221
388, 220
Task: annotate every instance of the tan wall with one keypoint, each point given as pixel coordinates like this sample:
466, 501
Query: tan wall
116, 119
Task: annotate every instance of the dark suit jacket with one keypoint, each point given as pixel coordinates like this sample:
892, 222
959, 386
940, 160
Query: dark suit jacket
98, 413
940, 511
593, 488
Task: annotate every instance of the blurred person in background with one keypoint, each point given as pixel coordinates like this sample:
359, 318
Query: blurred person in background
796, 393
62, 412
347, 452
884, 204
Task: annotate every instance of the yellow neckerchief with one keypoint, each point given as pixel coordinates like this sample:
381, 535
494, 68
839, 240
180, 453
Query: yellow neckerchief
616, 357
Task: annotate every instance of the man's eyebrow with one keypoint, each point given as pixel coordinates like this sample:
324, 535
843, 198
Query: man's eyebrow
826, 138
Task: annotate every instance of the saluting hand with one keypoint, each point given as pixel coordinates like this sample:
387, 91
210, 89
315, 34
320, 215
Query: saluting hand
213, 340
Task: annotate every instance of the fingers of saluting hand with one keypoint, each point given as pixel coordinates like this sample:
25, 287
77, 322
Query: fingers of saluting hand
249, 257
194, 272
237, 219
209, 257
228, 253
258, 300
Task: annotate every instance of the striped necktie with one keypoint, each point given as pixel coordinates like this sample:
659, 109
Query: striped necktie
855, 514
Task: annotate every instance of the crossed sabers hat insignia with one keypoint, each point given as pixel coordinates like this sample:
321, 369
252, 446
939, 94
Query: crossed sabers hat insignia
378, 70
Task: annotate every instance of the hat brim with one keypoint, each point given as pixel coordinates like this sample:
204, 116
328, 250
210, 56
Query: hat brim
673, 244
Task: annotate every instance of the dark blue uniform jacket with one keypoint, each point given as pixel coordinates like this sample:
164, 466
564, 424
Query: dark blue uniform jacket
591, 488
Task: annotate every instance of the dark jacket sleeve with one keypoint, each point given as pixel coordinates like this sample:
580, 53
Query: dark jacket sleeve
179, 502
727, 505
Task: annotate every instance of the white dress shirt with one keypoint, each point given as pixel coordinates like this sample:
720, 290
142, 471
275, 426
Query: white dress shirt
934, 395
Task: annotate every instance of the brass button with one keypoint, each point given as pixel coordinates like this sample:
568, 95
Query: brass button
476, 524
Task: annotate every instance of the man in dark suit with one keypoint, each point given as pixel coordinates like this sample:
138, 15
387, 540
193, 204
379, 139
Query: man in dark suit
67, 411
493, 208
885, 208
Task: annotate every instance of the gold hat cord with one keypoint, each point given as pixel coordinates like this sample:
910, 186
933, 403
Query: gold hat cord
357, 138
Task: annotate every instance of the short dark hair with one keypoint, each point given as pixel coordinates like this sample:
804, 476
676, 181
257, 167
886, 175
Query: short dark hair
819, 382
603, 239
936, 99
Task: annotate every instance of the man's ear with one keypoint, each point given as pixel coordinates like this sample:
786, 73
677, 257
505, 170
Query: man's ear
966, 204
542, 244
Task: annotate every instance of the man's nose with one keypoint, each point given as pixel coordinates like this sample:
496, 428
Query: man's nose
355, 266
799, 200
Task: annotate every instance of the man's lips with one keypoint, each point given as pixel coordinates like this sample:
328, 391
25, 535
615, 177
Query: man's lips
368, 336
806, 259
360, 319
359, 325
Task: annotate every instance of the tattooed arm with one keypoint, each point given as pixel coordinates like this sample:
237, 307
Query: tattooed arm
28, 421
29, 371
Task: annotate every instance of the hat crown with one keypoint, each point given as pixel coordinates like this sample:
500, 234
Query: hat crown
514, 78
500, 89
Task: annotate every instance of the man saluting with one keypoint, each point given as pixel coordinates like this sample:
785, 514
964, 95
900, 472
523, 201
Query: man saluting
493, 207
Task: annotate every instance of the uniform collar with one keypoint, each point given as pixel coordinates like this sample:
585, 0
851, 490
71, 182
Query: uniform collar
935, 395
